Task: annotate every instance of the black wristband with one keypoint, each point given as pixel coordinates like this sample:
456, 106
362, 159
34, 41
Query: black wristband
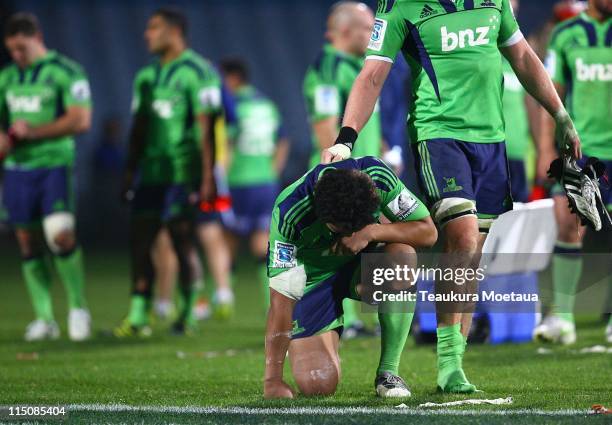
347, 136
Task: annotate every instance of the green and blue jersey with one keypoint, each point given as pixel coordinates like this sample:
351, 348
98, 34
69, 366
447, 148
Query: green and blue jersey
169, 97
298, 238
254, 136
452, 47
327, 85
40, 94
580, 59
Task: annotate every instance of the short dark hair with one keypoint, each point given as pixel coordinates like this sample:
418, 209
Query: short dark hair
235, 66
347, 199
173, 17
22, 23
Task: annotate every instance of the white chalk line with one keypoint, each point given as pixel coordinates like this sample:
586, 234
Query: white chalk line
118, 408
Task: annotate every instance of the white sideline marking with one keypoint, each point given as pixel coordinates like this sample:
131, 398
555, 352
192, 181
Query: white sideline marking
317, 410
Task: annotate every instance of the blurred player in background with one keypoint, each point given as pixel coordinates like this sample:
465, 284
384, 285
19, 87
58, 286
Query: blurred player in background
563, 10
457, 129
394, 101
170, 162
211, 236
45, 99
327, 84
320, 225
209, 227
517, 128
258, 154
579, 61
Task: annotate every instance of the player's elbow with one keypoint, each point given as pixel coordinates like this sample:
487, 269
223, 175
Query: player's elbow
374, 74
81, 122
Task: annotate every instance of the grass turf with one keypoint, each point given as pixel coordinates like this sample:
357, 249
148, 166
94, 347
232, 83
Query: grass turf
223, 365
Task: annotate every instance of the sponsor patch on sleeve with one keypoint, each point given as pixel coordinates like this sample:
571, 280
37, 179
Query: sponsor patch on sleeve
210, 97
403, 205
378, 35
80, 91
284, 255
327, 101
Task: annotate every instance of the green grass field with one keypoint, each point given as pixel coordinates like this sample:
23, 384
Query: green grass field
204, 378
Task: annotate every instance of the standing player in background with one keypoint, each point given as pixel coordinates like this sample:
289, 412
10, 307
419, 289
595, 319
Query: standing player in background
327, 84
394, 102
457, 129
257, 157
170, 162
210, 233
45, 101
209, 227
517, 128
580, 63
538, 40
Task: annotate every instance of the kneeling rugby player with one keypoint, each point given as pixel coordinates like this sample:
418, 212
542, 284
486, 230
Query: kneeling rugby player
320, 225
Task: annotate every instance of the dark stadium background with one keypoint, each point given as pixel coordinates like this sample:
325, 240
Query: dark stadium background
278, 38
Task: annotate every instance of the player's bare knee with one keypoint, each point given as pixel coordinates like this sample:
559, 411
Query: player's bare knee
399, 248
315, 364
321, 380
465, 243
317, 387
402, 255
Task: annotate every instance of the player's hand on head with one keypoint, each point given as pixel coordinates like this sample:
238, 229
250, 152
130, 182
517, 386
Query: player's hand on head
335, 153
342, 147
277, 388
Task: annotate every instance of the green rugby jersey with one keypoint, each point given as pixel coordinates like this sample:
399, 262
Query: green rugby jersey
170, 97
580, 59
327, 86
298, 238
515, 115
39, 94
254, 139
452, 47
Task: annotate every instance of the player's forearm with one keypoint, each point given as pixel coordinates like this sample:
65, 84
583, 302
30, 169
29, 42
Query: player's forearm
534, 77
137, 144
278, 334
208, 145
69, 124
418, 234
362, 100
325, 131
280, 155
